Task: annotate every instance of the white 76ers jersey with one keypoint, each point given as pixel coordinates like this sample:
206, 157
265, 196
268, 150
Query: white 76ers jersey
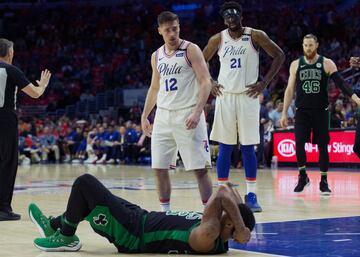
239, 62
178, 86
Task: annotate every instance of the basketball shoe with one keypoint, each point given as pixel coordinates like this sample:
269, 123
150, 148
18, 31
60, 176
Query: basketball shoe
58, 243
324, 187
40, 220
251, 202
303, 181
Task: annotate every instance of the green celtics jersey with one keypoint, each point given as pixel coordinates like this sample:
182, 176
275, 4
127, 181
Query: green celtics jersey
311, 85
162, 232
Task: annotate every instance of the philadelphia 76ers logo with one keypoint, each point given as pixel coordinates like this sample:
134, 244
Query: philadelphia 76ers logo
206, 145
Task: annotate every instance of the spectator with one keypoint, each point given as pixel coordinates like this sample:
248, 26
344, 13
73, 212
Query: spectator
49, 145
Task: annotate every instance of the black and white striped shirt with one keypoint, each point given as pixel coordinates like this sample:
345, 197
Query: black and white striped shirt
11, 78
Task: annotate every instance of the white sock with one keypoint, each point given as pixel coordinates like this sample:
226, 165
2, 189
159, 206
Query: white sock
204, 203
250, 186
165, 206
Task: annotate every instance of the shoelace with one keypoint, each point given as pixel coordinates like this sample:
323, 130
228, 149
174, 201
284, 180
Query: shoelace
55, 237
44, 220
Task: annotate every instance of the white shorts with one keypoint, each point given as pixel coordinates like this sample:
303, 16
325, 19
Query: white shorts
236, 114
170, 135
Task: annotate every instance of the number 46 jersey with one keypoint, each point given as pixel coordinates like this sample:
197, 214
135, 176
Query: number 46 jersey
311, 85
178, 85
239, 62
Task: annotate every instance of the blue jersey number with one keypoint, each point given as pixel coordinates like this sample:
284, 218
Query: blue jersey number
235, 63
170, 85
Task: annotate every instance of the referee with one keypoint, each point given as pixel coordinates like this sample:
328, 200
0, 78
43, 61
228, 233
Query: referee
12, 79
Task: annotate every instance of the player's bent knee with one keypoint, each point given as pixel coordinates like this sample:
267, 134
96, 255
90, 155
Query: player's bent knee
83, 179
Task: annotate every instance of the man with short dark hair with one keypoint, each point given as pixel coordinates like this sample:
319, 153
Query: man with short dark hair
11, 78
309, 76
135, 230
237, 108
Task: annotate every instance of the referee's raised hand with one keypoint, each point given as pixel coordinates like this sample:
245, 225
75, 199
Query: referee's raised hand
44, 78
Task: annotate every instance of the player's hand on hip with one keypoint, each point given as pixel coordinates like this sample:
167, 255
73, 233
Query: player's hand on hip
254, 90
216, 88
44, 78
355, 62
242, 236
192, 121
146, 127
283, 121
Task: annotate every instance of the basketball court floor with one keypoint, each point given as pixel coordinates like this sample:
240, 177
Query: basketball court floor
304, 224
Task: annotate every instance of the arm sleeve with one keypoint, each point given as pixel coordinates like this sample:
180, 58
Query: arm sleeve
340, 83
17, 77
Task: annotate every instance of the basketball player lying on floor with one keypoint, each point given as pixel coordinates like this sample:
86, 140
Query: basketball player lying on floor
135, 230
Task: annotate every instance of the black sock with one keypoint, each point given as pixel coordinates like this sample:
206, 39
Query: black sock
68, 228
56, 223
302, 171
323, 176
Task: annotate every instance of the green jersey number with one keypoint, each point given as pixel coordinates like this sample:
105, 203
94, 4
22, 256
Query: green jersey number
311, 87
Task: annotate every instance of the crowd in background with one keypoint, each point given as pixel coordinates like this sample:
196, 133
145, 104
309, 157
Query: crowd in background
104, 47
101, 48
79, 141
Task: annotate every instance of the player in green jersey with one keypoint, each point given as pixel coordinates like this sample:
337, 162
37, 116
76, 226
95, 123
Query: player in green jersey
309, 77
135, 230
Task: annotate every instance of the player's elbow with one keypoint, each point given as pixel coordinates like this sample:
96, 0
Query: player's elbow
289, 91
206, 82
280, 56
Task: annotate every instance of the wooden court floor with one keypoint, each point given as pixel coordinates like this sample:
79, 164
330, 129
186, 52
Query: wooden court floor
49, 187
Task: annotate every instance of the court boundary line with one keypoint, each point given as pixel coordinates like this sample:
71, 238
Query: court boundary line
352, 216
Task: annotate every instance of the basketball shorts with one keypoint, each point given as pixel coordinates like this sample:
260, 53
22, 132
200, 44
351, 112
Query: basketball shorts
312, 120
120, 221
236, 115
170, 135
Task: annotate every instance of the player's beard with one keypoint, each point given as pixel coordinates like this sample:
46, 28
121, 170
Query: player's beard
310, 55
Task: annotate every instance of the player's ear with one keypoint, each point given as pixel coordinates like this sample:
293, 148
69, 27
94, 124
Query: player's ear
159, 31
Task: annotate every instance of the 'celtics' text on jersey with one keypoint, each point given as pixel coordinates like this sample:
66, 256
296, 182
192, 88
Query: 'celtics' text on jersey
311, 85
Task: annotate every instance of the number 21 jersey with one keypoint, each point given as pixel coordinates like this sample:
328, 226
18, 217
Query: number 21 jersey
178, 86
239, 62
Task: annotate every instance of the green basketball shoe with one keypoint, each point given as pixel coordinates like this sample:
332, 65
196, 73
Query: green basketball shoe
40, 220
58, 243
